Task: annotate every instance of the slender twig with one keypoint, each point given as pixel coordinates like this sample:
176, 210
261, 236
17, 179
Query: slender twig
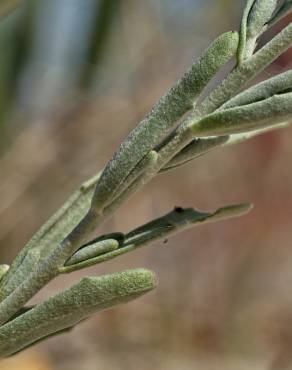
157, 144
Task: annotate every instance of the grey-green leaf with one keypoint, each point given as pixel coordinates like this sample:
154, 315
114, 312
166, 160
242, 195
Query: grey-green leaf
283, 10
260, 14
276, 109
93, 250
49, 235
247, 70
278, 84
193, 150
163, 227
163, 116
256, 15
90, 295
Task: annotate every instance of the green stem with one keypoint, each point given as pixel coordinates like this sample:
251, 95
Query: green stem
48, 237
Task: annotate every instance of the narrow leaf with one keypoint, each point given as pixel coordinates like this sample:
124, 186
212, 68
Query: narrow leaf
163, 116
259, 15
283, 10
195, 149
163, 227
50, 234
93, 250
243, 32
247, 70
271, 111
90, 295
256, 15
278, 84
239, 138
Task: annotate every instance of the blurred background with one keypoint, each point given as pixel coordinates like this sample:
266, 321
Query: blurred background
76, 76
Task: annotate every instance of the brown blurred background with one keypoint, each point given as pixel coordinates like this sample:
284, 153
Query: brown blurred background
76, 76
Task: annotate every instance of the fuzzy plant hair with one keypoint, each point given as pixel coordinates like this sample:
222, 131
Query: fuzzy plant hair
180, 127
